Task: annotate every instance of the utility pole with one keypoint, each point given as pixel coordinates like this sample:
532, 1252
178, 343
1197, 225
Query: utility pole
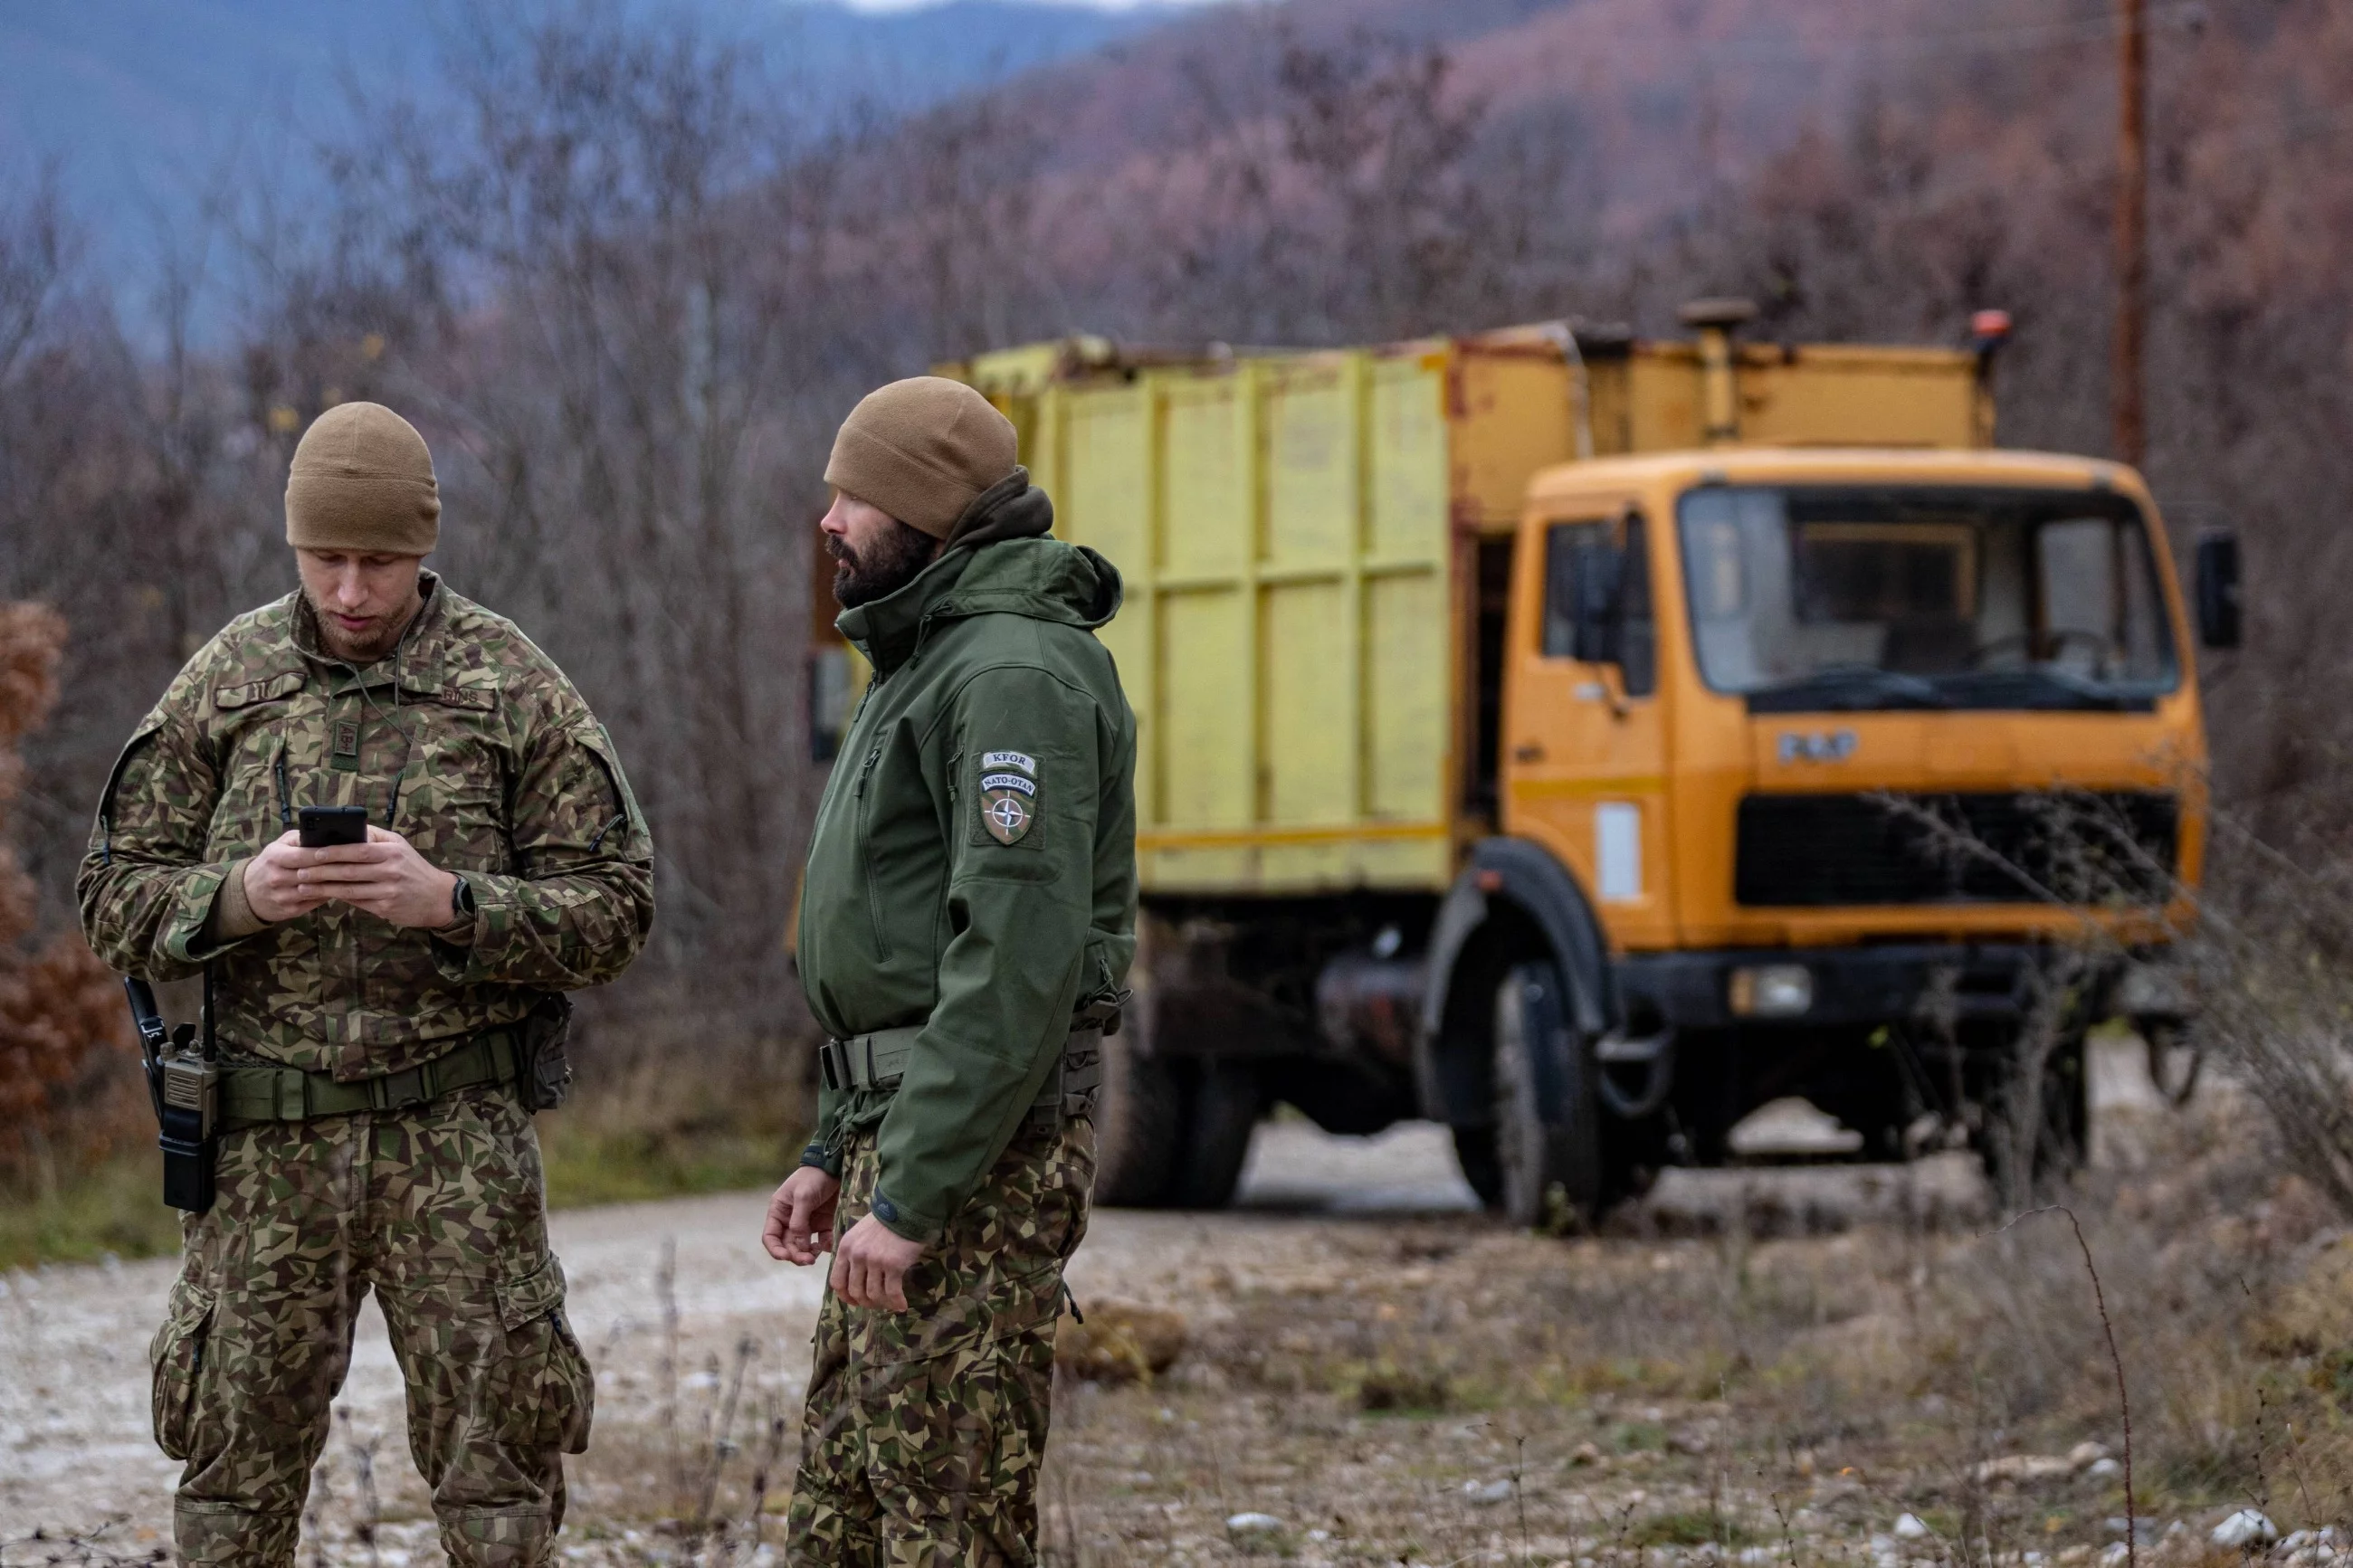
2124, 393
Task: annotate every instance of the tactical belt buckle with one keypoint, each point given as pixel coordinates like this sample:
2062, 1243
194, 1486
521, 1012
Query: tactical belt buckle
1102, 1013
399, 1090
834, 1072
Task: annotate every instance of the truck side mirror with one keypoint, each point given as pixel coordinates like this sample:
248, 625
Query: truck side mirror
2218, 589
1600, 571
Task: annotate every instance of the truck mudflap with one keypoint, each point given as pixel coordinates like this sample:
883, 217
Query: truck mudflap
1517, 883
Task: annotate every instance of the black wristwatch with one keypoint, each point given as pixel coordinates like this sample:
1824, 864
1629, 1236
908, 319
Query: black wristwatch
462, 900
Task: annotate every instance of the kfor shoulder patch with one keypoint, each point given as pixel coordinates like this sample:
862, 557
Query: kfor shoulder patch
1009, 799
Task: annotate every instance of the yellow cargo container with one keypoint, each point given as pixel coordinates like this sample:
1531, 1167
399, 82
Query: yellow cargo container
1301, 535
1581, 741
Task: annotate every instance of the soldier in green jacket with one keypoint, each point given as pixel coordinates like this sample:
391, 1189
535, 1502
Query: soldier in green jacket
375, 1006
967, 919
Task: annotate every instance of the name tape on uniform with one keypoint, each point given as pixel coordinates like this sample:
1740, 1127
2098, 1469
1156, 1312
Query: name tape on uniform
1022, 760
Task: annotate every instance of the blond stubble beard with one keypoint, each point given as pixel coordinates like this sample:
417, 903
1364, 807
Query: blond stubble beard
350, 652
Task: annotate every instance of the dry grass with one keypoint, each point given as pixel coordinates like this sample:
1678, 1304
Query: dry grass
1461, 1394
1449, 1393
659, 1109
1446, 1391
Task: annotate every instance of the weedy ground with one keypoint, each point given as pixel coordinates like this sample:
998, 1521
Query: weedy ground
1461, 1394
1438, 1390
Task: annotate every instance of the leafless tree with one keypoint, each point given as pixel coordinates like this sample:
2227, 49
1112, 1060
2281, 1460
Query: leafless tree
627, 279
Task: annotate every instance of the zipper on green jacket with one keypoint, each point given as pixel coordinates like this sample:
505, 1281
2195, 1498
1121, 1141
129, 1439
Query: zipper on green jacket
866, 854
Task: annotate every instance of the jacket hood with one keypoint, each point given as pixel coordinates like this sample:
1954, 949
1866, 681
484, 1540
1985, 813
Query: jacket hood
1000, 560
1012, 507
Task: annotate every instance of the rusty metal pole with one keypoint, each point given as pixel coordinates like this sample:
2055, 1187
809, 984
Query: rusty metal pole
2125, 375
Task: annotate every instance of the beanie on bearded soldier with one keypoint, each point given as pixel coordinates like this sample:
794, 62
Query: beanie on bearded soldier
922, 449
362, 479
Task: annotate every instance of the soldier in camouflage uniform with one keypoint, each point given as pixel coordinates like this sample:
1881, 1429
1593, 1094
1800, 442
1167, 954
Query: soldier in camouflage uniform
969, 916
372, 1006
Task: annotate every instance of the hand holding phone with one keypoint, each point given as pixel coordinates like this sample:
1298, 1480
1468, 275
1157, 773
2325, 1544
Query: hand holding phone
325, 827
276, 884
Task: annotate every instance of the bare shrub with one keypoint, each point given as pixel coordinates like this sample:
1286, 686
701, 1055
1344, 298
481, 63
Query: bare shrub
628, 286
2275, 996
59, 1020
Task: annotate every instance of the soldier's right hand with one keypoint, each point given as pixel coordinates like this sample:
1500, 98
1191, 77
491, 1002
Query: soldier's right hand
800, 1216
273, 880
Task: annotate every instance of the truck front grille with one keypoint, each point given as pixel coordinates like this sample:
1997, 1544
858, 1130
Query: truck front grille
1813, 850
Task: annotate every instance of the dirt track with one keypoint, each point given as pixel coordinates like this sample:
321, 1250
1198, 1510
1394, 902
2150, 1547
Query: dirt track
678, 1296
74, 1444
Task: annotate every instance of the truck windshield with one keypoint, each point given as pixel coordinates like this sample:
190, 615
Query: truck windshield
1812, 599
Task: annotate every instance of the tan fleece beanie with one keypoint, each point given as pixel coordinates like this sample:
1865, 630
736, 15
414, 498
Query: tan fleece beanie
362, 479
922, 449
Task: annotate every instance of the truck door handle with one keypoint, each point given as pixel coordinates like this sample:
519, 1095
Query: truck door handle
1528, 751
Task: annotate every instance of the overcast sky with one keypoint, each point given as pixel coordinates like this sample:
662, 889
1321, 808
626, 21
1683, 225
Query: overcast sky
1090, 4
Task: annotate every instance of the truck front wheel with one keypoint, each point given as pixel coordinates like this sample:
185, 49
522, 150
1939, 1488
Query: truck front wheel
1475, 1151
2029, 1144
1547, 1138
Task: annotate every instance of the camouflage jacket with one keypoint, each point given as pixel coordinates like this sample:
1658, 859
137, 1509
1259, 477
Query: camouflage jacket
466, 741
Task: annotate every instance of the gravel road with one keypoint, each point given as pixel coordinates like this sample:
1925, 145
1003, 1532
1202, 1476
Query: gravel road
680, 1293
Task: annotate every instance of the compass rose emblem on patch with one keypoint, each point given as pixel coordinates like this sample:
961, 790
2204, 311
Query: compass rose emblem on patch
1006, 815
1008, 801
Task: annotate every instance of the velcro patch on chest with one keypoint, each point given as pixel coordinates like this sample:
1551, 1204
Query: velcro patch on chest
1009, 799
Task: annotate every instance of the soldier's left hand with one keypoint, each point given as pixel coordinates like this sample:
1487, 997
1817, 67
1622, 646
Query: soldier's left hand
385, 875
871, 1264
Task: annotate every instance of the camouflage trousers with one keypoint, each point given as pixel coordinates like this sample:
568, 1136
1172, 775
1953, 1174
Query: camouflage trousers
440, 1211
924, 1432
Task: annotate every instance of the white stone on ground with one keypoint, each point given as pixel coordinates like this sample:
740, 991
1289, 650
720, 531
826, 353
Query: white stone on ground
2245, 1528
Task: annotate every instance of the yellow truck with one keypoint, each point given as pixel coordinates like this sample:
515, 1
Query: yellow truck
1583, 740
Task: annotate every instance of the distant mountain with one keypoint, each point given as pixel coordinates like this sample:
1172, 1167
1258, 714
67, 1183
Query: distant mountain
142, 103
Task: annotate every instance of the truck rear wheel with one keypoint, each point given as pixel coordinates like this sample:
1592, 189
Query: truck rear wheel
1222, 1101
1139, 1125
1171, 1134
1547, 1139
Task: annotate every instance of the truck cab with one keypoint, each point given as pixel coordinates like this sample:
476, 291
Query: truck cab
1584, 741
1878, 771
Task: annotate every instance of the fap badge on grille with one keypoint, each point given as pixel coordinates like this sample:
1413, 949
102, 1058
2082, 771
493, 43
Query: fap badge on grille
1008, 805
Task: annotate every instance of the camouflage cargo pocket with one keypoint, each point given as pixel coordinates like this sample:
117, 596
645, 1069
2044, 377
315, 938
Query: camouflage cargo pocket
546, 1394
965, 1424
177, 1358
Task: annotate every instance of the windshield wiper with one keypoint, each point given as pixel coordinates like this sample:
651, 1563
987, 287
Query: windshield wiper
1847, 687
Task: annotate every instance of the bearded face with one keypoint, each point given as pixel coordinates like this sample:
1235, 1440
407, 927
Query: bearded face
874, 555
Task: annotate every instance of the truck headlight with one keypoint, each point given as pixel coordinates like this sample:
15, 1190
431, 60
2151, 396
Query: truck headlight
1772, 991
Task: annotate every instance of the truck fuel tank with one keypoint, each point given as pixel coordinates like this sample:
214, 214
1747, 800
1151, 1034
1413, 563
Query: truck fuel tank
1370, 1005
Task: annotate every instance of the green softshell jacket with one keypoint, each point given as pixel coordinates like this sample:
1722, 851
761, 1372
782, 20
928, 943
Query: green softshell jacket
973, 866
467, 740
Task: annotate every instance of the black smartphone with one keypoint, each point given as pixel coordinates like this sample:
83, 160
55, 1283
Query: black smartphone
323, 826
